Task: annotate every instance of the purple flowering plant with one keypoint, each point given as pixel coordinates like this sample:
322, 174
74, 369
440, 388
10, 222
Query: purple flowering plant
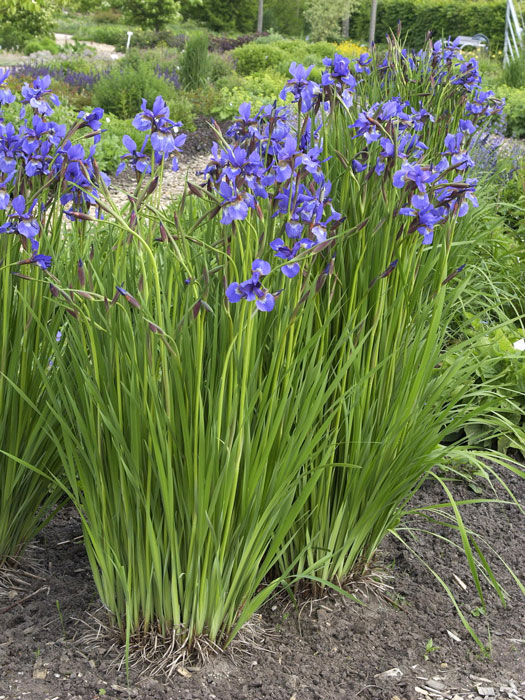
304, 429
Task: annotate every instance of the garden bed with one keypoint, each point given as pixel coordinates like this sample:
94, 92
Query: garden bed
328, 648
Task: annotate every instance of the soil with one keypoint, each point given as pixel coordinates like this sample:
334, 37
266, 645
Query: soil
405, 643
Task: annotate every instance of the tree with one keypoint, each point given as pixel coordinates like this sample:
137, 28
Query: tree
260, 14
151, 14
224, 15
24, 19
373, 15
326, 16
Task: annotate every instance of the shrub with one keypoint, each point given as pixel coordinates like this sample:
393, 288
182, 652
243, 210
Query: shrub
285, 17
219, 66
223, 15
153, 14
258, 89
514, 110
256, 58
441, 17
41, 43
220, 44
194, 64
103, 33
151, 39
22, 24
122, 90
514, 73
350, 50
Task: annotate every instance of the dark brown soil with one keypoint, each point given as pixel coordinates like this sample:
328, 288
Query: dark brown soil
330, 648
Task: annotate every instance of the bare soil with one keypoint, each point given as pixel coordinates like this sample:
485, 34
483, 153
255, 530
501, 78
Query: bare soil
319, 650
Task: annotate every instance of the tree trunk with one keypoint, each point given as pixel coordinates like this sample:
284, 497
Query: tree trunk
373, 13
260, 17
346, 27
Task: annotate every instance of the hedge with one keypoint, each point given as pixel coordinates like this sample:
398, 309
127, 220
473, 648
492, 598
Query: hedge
442, 17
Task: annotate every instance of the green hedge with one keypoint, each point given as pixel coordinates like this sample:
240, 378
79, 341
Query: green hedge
442, 17
514, 110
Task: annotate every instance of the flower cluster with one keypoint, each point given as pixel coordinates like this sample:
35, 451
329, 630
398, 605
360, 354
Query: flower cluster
40, 156
162, 135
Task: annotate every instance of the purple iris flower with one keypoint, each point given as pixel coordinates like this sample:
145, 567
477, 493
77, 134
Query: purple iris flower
93, 119
235, 203
357, 166
427, 216
22, 221
42, 261
453, 143
340, 72
163, 129
466, 126
244, 125
252, 289
361, 64
5, 197
38, 162
6, 96
10, 148
413, 173
300, 87
293, 229
311, 163
138, 160
286, 253
38, 95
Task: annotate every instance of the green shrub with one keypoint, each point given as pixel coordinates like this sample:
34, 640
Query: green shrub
514, 73
259, 89
103, 33
223, 15
122, 90
514, 110
40, 43
150, 39
18, 27
194, 62
219, 66
442, 17
256, 58
285, 17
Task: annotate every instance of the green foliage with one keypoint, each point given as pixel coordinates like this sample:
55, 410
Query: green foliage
41, 43
132, 79
153, 14
113, 34
150, 39
514, 73
514, 110
500, 366
19, 24
324, 17
441, 17
255, 58
224, 15
284, 17
259, 89
277, 55
511, 202
219, 66
194, 64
